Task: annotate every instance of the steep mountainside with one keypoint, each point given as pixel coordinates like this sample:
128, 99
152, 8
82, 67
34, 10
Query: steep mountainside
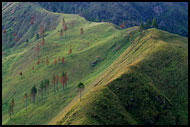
91, 54
17, 18
171, 16
147, 84
130, 77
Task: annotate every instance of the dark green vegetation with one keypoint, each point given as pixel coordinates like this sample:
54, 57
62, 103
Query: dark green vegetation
171, 16
149, 86
132, 77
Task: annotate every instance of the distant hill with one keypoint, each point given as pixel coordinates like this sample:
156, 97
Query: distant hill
171, 16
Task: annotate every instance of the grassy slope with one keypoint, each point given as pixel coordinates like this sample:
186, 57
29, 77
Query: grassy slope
104, 40
16, 18
147, 84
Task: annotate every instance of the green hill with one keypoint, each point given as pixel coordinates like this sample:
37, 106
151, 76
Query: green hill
105, 43
16, 18
147, 84
98, 58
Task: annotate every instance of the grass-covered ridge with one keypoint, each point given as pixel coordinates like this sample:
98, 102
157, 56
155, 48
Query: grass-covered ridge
129, 66
147, 84
105, 42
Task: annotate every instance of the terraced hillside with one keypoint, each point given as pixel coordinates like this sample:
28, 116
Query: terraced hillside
100, 57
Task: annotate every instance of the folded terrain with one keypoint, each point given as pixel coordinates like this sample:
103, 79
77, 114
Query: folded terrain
130, 77
147, 84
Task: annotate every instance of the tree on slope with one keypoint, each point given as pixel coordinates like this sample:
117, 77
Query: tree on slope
63, 22
20, 75
37, 36
70, 50
46, 85
61, 34
63, 79
38, 62
81, 31
65, 28
38, 49
154, 23
122, 25
62, 60
80, 88
141, 27
41, 88
33, 93
53, 82
42, 31
147, 24
32, 20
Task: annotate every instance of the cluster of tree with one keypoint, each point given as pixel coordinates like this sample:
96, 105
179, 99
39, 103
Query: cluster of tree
65, 28
47, 60
10, 35
148, 24
59, 60
44, 88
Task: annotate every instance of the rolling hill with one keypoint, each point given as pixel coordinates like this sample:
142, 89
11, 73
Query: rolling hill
147, 84
125, 72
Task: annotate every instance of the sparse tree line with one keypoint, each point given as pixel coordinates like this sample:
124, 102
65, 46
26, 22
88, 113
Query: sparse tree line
43, 88
143, 26
148, 24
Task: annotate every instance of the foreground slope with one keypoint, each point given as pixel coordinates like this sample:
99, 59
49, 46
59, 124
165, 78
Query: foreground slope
147, 84
92, 54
